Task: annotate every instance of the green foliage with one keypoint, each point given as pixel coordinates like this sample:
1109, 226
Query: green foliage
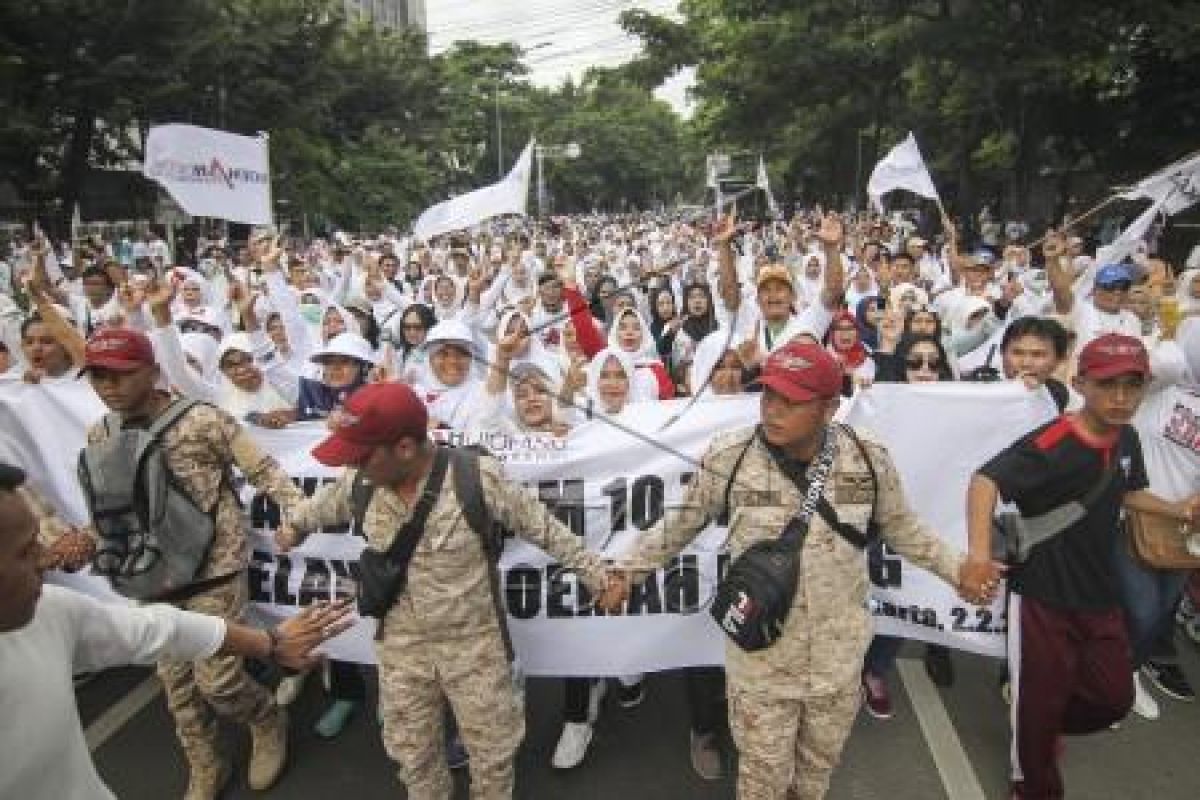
999, 92
367, 129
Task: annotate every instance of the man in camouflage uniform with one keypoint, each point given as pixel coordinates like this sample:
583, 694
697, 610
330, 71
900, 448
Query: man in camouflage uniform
792, 704
442, 639
200, 449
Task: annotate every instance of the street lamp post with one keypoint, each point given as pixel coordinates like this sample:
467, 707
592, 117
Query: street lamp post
544, 151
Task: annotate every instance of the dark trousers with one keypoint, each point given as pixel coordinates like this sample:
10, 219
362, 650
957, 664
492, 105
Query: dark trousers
575, 699
1149, 597
346, 681
706, 698
1071, 675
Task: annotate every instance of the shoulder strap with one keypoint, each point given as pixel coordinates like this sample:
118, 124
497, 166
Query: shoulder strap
406, 539
172, 414
468, 486
361, 492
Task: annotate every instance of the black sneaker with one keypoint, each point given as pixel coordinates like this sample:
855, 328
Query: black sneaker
631, 696
1170, 680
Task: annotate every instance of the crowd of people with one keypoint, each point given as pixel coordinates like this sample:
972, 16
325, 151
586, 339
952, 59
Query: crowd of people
538, 327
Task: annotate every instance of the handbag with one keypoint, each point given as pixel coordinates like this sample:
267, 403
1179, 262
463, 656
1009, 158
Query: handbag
1159, 542
752, 602
383, 575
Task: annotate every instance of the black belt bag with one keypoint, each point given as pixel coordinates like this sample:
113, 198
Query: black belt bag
383, 576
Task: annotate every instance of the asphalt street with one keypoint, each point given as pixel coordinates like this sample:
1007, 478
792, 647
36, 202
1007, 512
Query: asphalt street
942, 743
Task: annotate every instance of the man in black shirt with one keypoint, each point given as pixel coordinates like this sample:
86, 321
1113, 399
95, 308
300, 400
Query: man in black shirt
1068, 649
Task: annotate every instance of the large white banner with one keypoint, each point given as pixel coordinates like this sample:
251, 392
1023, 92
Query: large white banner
211, 173
608, 483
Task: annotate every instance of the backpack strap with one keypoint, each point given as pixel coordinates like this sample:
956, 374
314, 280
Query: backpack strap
468, 486
171, 415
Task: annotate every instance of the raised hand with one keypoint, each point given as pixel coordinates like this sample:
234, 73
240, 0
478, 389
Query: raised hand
832, 232
725, 229
1054, 245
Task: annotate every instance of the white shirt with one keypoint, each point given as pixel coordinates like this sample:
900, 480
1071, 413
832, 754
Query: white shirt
1168, 424
45, 754
1090, 323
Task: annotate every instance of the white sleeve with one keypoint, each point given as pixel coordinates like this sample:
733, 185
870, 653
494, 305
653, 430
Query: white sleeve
295, 328
169, 351
112, 634
816, 319
276, 370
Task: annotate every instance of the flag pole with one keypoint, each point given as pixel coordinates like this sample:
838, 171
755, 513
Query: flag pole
265, 138
1085, 215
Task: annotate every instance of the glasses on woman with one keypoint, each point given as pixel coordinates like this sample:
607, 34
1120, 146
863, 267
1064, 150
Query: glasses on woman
928, 362
413, 326
233, 362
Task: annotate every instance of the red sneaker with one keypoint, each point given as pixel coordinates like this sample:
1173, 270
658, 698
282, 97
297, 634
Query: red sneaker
876, 697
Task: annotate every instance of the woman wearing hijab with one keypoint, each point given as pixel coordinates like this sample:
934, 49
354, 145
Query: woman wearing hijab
843, 343
664, 324
408, 332
344, 363
450, 386
867, 314
631, 335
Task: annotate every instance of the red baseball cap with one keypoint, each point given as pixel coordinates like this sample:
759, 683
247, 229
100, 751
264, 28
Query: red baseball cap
120, 349
377, 414
802, 371
1113, 354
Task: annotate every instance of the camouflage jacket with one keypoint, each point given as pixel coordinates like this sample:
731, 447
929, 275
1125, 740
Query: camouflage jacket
828, 628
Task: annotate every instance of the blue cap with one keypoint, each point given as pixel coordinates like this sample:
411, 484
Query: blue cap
1111, 274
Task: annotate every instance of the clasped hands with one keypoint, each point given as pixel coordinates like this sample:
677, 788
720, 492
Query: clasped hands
979, 580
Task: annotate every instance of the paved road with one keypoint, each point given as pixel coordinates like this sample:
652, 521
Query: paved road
954, 746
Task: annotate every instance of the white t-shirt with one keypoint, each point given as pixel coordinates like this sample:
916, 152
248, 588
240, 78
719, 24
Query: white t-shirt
1168, 423
45, 754
1090, 323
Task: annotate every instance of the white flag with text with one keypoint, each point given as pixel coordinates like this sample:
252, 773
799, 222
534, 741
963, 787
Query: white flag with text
211, 173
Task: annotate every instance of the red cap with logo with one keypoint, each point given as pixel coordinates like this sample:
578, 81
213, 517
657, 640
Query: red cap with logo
119, 349
377, 414
1113, 354
802, 371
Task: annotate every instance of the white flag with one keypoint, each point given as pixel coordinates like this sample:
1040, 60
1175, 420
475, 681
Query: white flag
902, 168
1128, 241
763, 182
1173, 188
211, 173
509, 196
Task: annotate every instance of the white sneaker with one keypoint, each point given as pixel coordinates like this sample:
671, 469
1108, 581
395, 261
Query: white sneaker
572, 745
596, 696
289, 689
1144, 705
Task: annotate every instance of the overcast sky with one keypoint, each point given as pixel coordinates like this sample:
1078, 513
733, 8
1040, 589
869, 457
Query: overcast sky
563, 37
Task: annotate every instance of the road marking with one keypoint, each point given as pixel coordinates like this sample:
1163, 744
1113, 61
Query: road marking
953, 765
120, 712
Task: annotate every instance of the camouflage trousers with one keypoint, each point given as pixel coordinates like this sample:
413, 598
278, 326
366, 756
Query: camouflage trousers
787, 748
416, 678
198, 691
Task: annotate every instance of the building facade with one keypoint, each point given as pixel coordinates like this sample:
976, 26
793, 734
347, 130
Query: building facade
389, 13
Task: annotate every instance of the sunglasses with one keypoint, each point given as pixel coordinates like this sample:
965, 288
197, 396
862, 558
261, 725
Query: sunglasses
917, 362
1119, 286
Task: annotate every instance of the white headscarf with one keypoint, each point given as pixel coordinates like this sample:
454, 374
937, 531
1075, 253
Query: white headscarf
203, 348
1183, 291
647, 352
708, 354
452, 405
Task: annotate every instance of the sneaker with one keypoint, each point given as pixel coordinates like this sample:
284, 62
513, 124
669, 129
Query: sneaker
595, 697
876, 697
631, 696
457, 756
938, 665
1143, 704
572, 745
268, 751
334, 720
289, 689
1170, 680
706, 756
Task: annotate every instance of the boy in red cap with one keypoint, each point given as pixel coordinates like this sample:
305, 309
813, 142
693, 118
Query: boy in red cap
1069, 653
